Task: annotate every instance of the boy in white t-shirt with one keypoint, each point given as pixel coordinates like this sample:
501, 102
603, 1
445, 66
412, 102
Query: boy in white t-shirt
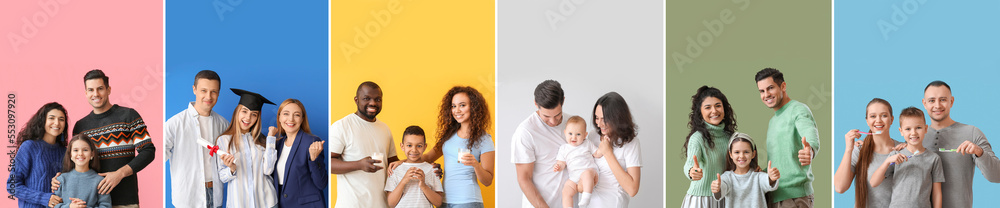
577, 156
413, 183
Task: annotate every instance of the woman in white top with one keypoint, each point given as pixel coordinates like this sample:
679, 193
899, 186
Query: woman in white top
300, 175
619, 168
250, 160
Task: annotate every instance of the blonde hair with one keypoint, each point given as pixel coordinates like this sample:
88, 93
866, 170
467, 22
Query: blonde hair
305, 120
576, 120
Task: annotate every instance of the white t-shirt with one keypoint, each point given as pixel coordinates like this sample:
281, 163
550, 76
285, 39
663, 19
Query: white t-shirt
282, 163
413, 197
354, 138
578, 158
608, 193
205, 124
536, 142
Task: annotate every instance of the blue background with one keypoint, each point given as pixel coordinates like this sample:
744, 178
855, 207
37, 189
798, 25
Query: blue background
278, 49
955, 42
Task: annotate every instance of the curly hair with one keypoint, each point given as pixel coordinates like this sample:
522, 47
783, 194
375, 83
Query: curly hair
35, 128
617, 116
697, 124
479, 119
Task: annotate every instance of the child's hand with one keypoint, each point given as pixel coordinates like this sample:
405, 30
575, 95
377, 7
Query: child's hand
419, 176
715, 184
772, 173
559, 166
411, 175
897, 158
77, 203
695, 172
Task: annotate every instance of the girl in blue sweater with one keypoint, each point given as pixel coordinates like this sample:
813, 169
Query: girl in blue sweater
78, 179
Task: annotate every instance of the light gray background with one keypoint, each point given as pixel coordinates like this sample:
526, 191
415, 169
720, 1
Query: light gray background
601, 46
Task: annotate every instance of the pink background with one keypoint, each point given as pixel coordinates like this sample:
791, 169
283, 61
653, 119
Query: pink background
122, 38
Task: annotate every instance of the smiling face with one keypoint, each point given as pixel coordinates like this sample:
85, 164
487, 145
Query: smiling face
247, 118
55, 122
913, 129
290, 118
413, 145
712, 111
879, 117
742, 154
771, 93
460, 108
576, 133
599, 119
97, 93
369, 102
937, 102
80, 153
552, 117
206, 93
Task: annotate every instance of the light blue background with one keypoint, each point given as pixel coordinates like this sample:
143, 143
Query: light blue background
955, 42
278, 49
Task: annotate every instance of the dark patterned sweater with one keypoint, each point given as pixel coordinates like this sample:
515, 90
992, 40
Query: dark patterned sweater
119, 135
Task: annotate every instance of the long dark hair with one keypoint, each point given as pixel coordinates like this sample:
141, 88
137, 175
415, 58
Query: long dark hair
68, 164
480, 118
864, 158
741, 137
234, 131
35, 128
617, 116
697, 124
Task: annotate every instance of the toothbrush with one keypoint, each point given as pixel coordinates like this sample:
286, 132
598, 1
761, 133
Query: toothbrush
947, 150
866, 133
914, 153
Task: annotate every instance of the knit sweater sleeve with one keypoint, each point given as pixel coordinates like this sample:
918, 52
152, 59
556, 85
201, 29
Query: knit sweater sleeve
694, 147
19, 176
805, 125
143, 144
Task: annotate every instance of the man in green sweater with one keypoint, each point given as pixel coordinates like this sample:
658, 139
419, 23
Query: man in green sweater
792, 141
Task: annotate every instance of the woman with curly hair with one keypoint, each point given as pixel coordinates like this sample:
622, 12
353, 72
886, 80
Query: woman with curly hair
42, 143
467, 147
712, 122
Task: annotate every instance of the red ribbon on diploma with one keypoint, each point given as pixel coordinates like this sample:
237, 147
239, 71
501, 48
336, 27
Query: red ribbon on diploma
212, 149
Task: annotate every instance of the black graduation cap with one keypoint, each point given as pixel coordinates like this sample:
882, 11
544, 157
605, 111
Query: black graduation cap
251, 100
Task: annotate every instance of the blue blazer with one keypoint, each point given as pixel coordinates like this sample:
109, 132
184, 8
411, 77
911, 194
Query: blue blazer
305, 180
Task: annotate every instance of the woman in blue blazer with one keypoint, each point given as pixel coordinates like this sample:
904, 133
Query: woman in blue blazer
300, 174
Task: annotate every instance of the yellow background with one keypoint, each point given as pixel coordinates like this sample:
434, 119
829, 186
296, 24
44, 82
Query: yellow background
416, 56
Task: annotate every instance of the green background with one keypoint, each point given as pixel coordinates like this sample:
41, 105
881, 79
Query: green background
791, 36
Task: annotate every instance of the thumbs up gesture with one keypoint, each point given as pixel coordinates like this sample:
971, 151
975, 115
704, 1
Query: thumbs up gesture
695, 172
715, 184
772, 173
806, 153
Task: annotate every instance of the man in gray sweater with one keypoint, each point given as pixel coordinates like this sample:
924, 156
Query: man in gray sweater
962, 147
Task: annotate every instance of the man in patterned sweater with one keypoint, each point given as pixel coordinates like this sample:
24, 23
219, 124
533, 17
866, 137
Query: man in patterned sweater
119, 133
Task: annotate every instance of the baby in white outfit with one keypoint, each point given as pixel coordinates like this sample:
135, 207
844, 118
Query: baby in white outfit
577, 156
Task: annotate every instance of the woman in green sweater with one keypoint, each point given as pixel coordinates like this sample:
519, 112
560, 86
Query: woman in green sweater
712, 122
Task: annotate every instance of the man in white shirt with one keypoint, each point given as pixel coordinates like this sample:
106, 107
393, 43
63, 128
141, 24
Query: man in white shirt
192, 169
354, 139
535, 144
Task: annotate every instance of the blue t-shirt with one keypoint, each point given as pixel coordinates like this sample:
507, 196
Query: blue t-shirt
460, 184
